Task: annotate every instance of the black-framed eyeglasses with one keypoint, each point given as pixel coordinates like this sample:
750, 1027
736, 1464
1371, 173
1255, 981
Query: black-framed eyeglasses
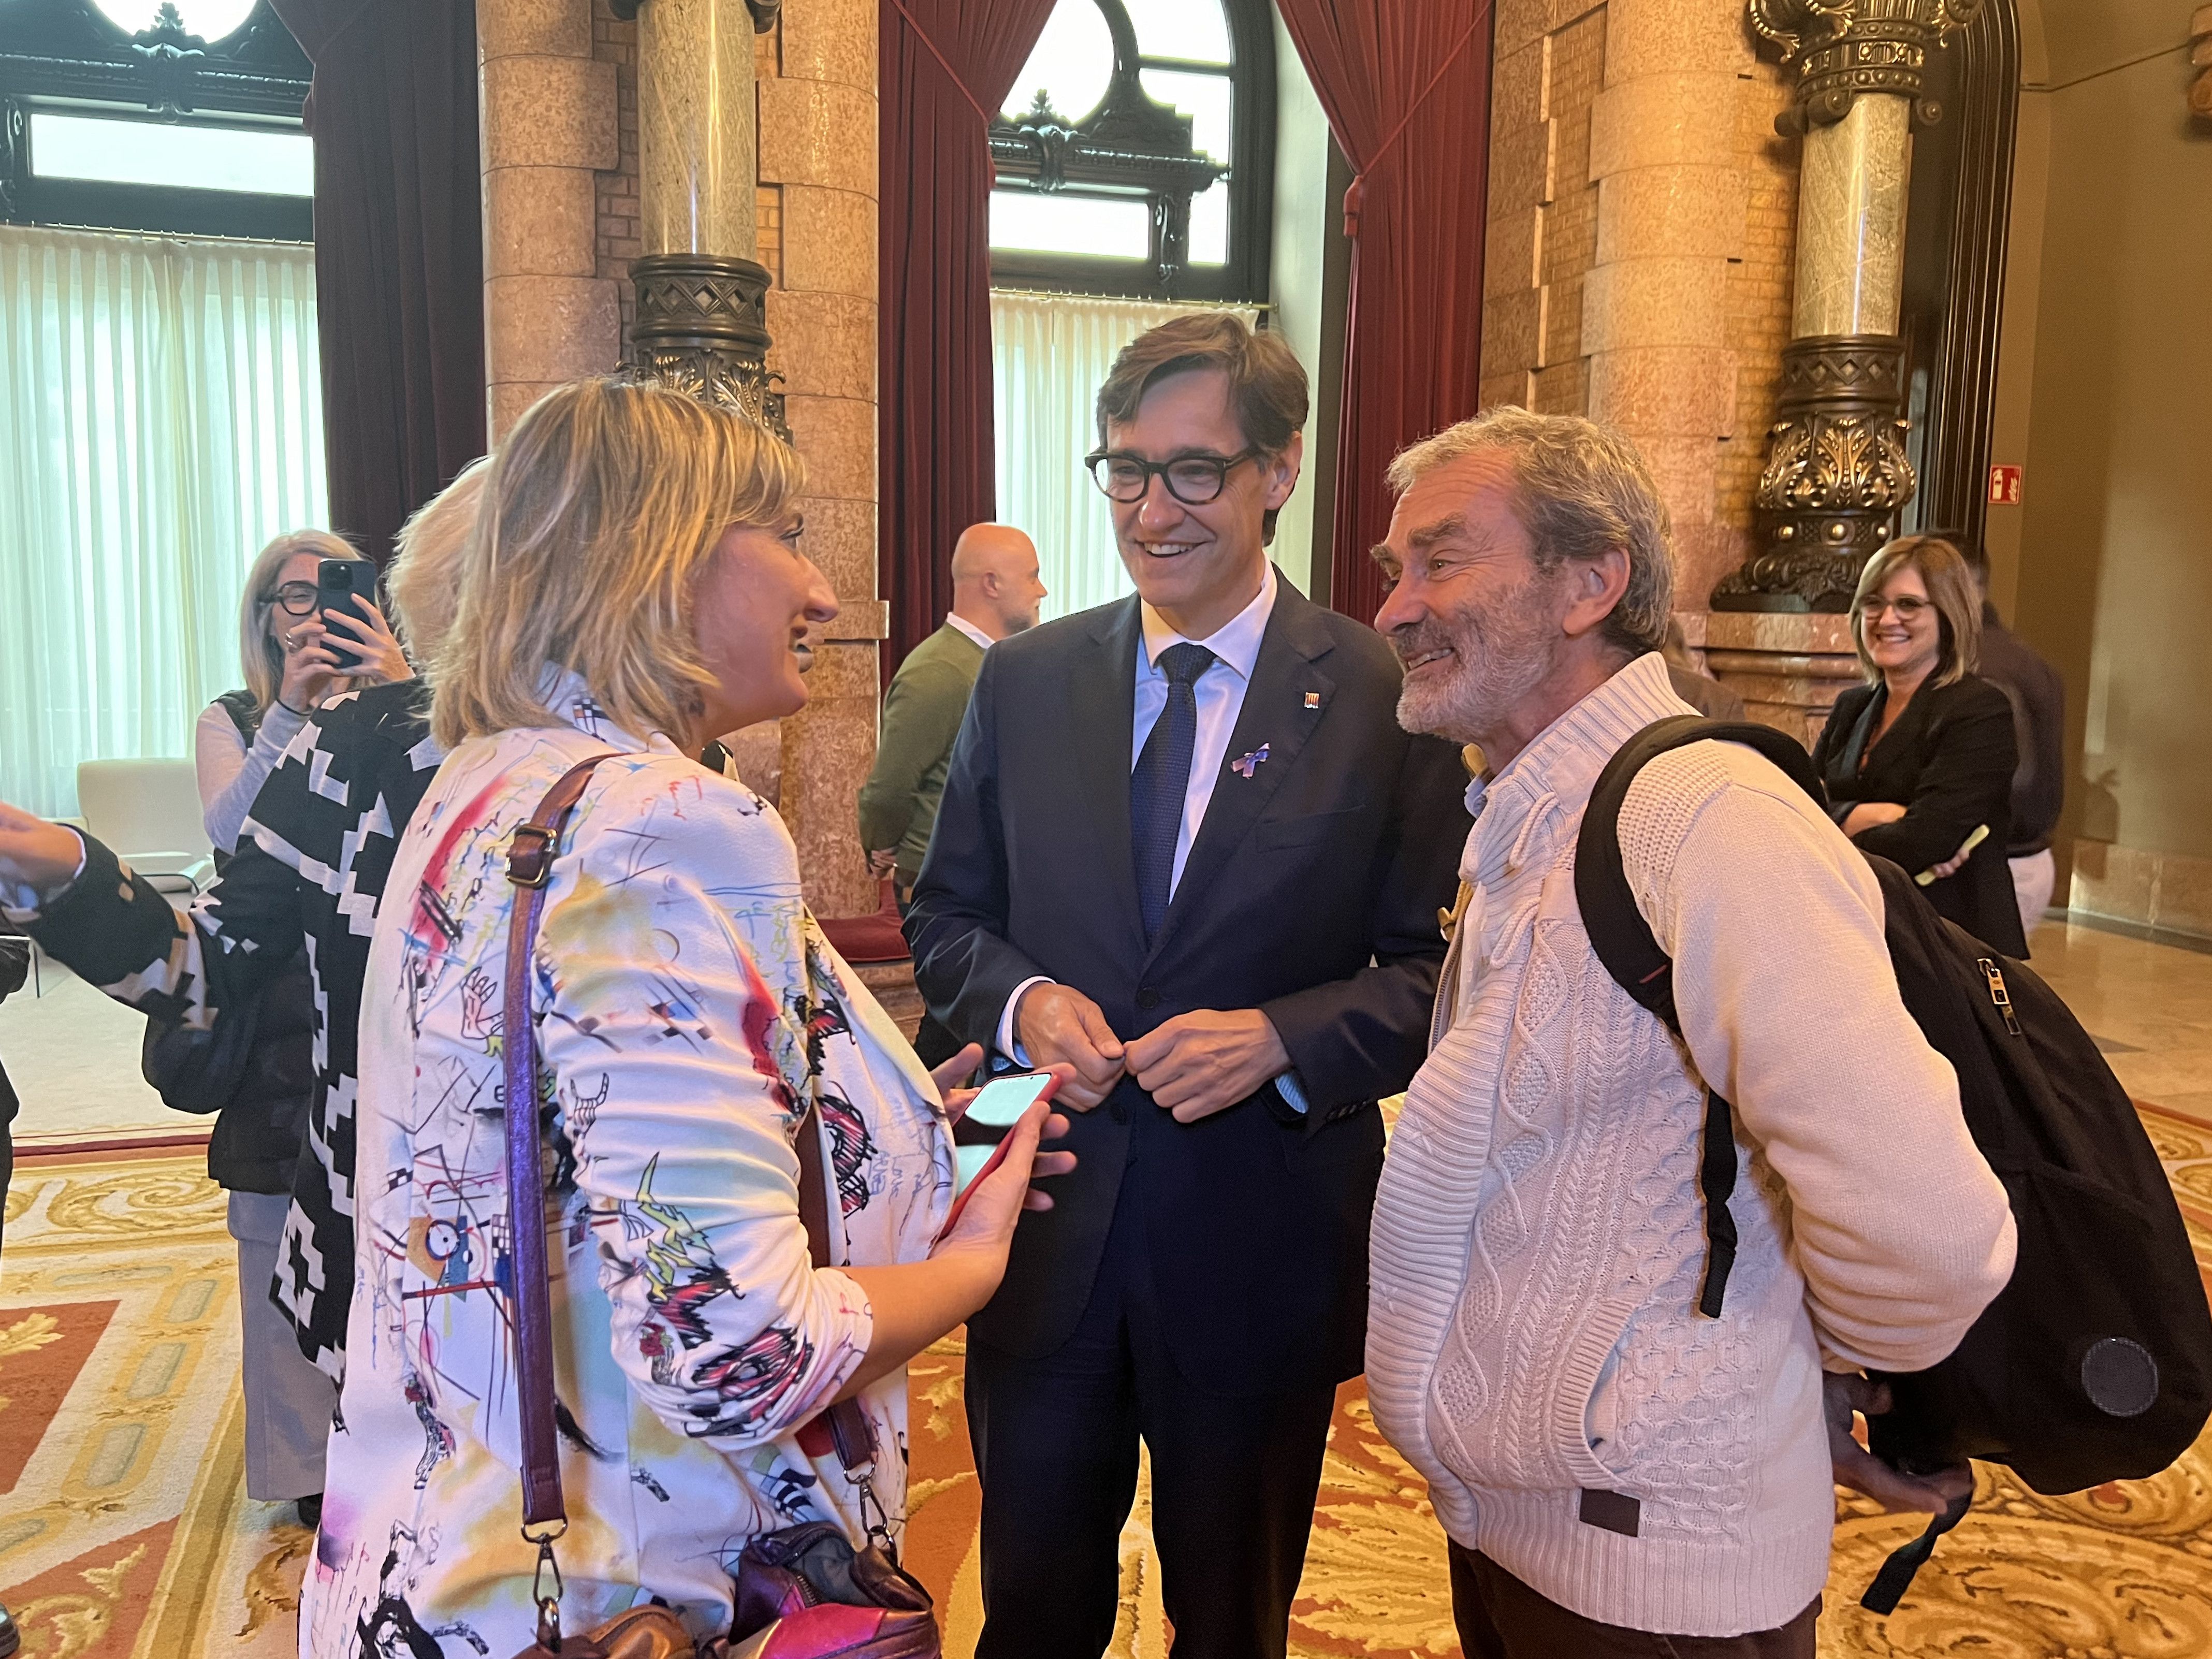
1193, 480
298, 599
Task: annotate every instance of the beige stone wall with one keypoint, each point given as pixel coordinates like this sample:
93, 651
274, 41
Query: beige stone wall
1549, 66
549, 127
1641, 222
1761, 280
2104, 342
615, 41
562, 222
817, 178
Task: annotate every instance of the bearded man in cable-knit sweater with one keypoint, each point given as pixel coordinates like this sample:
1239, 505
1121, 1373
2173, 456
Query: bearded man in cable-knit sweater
1612, 1466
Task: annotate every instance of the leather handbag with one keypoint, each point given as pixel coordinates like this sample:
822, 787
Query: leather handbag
802, 1592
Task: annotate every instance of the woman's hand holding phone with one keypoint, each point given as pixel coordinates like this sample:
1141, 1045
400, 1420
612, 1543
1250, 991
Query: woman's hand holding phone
310, 667
371, 639
982, 1224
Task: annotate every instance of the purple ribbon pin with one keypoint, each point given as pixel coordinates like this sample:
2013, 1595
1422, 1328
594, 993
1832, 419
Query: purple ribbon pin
1245, 765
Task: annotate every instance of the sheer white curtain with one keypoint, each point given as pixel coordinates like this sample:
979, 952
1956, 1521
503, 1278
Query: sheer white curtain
1049, 352
160, 418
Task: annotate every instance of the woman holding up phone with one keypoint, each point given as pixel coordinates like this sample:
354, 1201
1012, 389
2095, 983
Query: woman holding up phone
287, 645
286, 651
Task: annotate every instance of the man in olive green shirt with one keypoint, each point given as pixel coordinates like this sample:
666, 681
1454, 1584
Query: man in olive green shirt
995, 593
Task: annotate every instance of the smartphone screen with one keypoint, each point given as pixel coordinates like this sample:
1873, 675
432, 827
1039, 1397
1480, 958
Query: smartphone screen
1000, 1106
335, 592
1004, 1099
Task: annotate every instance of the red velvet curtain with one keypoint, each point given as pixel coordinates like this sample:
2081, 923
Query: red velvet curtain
399, 252
1413, 336
936, 467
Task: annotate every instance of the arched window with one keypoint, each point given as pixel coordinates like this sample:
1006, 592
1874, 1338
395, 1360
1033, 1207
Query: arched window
1136, 153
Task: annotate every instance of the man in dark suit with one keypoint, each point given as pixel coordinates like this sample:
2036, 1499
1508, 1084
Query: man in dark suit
2037, 697
1185, 847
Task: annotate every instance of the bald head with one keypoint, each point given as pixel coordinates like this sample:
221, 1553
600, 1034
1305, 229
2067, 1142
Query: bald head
994, 579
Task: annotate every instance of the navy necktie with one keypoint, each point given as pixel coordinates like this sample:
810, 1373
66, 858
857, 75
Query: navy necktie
1161, 779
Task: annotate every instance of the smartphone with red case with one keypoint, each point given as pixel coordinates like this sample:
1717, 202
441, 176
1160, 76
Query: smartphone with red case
999, 1105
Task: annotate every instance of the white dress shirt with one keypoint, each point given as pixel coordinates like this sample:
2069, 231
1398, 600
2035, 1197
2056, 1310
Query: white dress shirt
970, 629
1220, 695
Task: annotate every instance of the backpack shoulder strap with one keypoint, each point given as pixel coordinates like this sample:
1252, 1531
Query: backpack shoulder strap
1617, 931
1623, 942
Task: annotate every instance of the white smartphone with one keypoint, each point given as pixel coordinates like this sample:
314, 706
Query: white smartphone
999, 1106
1004, 1099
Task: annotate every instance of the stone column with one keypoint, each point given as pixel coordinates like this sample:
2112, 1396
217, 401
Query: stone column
695, 127
548, 121
700, 324
1837, 472
817, 151
1672, 198
1850, 222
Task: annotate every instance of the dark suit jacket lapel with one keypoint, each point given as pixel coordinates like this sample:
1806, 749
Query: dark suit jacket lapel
1903, 748
1274, 713
1102, 698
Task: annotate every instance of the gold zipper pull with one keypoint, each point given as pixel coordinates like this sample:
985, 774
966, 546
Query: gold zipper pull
1998, 994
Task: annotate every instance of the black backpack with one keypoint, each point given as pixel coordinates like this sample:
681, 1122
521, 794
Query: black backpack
2094, 1363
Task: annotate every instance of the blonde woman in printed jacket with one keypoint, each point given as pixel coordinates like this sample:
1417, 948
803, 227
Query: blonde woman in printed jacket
637, 586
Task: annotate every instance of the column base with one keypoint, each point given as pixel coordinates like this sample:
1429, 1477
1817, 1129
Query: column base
1789, 668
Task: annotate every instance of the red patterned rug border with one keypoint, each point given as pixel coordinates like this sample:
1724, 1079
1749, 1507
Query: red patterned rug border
68, 1151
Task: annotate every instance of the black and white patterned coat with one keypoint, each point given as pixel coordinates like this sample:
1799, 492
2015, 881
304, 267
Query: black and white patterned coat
309, 872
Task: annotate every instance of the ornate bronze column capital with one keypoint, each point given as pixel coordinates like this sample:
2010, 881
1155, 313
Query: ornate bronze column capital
765, 12
702, 328
1844, 48
1836, 475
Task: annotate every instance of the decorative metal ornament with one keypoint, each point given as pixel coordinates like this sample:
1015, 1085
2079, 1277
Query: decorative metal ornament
701, 328
1836, 475
1845, 48
1132, 145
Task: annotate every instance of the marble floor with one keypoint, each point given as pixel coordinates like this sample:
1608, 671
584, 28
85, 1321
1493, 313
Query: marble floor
72, 1054
2149, 1006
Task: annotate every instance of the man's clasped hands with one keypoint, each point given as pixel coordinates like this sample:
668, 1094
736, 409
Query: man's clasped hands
1192, 1065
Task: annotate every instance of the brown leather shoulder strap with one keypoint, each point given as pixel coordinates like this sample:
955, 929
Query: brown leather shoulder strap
813, 1188
529, 864
849, 1431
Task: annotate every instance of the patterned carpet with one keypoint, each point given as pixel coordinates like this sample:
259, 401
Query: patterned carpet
124, 1533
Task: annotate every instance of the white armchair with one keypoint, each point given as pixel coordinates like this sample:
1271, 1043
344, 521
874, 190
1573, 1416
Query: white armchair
148, 813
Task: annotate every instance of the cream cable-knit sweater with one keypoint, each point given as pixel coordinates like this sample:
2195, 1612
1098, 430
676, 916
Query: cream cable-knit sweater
1539, 1236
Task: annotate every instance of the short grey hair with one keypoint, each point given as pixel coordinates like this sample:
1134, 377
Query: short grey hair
1580, 489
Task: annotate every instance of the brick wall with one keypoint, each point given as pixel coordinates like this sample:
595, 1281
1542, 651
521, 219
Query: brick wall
1760, 290
1643, 226
613, 41
767, 64
1550, 66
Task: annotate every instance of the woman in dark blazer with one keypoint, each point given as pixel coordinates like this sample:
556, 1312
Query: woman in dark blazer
1918, 761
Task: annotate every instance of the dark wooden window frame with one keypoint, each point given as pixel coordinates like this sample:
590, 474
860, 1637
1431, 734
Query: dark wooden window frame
65, 57
1957, 223
1133, 146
